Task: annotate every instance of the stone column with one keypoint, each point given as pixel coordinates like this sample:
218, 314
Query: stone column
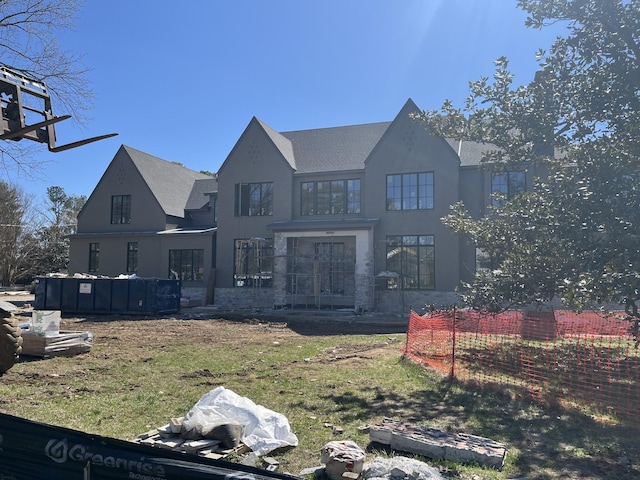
364, 270
279, 270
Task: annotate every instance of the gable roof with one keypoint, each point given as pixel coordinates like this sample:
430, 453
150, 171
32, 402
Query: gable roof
282, 143
346, 148
170, 183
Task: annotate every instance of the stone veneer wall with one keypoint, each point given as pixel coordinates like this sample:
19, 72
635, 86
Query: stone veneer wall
386, 301
244, 297
401, 301
193, 296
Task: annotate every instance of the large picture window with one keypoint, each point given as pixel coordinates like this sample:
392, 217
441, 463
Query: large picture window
506, 185
330, 197
253, 263
410, 191
120, 209
412, 258
254, 199
94, 257
330, 269
186, 264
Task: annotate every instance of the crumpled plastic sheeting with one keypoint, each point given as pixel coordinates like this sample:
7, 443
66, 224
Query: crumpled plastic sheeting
399, 468
263, 430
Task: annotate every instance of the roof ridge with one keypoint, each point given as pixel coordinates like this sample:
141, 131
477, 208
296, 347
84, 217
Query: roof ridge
368, 124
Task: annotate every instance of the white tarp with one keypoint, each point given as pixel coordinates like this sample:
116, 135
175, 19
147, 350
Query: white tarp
263, 430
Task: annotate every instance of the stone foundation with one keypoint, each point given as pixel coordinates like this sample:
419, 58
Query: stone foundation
193, 296
244, 297
401, 301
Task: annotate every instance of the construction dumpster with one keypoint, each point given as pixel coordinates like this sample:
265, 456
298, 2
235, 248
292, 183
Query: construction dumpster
135, 296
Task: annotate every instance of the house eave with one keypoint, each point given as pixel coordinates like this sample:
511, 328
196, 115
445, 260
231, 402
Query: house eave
172, 231
324, 225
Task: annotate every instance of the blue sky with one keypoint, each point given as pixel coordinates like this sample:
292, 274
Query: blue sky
181, 80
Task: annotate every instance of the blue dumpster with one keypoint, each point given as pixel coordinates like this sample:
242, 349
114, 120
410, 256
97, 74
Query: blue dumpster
138, 296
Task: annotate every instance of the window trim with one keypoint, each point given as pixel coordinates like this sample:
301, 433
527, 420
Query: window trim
400, 189
120, 209
94, 257
196, 273
245, 199
511, 191
253, 274
132, 257
348, 191
407, 270
331, 273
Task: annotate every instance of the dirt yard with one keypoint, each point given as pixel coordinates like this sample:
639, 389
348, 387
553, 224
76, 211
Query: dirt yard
130, 339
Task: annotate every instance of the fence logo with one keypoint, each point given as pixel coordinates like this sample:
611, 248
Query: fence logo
239, 476
57, 450
60, 451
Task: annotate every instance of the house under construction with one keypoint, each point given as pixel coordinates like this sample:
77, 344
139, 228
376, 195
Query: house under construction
329, 218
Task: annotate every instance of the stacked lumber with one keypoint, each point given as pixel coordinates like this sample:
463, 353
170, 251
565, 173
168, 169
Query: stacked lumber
65, 344
169, 437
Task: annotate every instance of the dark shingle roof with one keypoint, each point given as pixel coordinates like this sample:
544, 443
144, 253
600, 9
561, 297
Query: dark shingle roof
334, 149
170, 183
200, 193
470, 153
281, 142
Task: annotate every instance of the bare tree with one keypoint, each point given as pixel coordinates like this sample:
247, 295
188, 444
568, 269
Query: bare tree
18, 227
28, 44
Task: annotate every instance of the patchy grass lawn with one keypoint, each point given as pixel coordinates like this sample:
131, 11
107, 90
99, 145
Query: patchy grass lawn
315, 371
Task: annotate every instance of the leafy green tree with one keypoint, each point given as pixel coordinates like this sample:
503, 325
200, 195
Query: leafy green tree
576, 235
53, 241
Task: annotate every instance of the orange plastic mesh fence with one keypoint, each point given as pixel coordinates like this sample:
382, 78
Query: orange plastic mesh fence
575, 359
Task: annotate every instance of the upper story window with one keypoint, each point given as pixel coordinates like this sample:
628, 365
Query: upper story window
330, 197
506, 185
254, 199
410, 191
120, 209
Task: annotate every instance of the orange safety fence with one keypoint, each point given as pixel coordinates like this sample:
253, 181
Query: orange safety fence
586, 360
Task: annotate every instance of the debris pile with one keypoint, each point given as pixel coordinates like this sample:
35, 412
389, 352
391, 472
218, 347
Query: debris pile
65, 344
222, 423
344, 460
436, 444
341, 457
399, 468
171, 437
42, 337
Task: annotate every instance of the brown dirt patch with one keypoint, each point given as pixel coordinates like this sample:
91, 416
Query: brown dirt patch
124, 338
